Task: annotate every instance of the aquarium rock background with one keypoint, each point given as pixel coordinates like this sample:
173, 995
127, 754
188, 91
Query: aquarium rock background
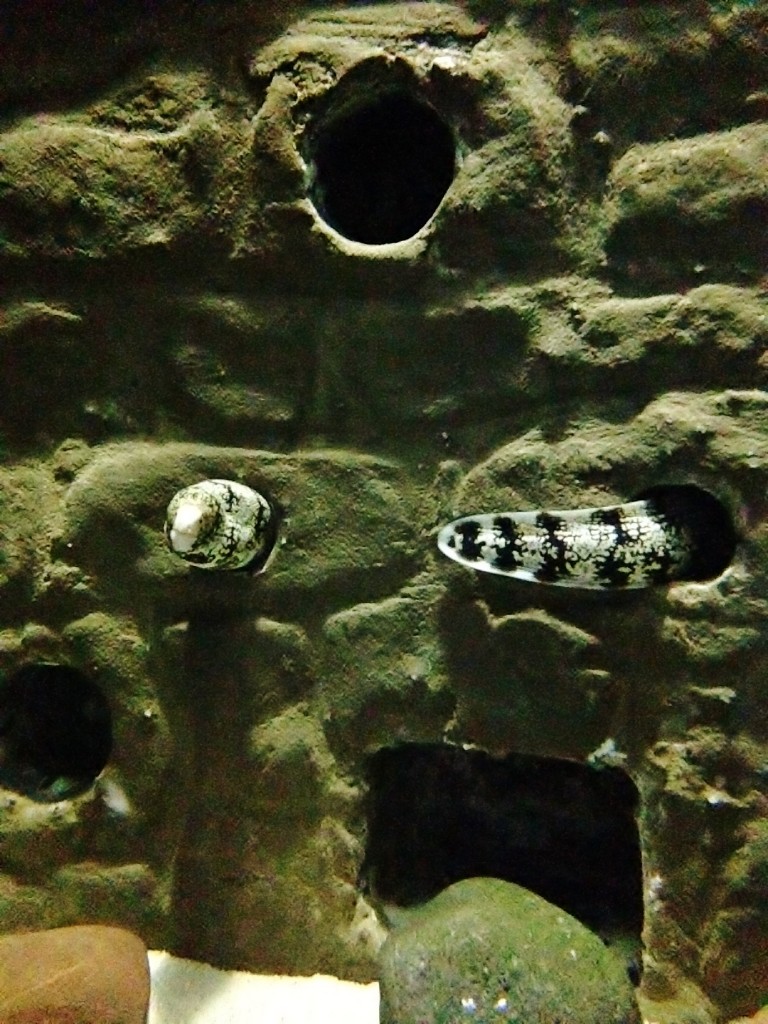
387, 265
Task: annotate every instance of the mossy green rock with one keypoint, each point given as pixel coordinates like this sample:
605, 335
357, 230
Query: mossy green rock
486, 950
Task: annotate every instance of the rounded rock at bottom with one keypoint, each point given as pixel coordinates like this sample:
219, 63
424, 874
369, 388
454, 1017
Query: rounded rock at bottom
83, 973
485, 950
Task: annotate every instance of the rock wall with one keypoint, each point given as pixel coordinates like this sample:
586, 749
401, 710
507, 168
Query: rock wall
551, 296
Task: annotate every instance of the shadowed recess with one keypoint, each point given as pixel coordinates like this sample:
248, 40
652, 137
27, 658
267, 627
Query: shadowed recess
380, 168
706, 522
55, 731
562, 829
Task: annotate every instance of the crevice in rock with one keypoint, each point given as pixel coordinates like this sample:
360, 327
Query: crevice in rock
380, 164
565, 830
55, 731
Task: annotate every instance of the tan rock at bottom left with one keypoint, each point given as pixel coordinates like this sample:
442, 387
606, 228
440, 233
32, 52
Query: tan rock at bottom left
88, 974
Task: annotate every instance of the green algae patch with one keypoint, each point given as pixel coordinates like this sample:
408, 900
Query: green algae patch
738, 937
486, 950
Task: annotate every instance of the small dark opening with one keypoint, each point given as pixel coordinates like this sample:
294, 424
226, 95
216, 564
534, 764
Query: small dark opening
55, 731
564, 830
381, 168
704, 520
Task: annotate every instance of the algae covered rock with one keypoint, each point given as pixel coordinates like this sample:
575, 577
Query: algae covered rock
487, 950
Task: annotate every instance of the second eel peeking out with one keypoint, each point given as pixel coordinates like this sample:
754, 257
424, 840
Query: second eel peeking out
221, 524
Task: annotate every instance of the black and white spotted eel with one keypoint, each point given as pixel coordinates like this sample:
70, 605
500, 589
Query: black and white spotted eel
668, 534
221, 524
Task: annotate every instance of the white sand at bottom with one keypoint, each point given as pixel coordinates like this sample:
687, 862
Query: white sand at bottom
187, 992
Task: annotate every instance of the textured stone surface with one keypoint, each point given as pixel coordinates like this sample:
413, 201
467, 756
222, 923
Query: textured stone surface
583, 318
692, 203
486, 950
80, 975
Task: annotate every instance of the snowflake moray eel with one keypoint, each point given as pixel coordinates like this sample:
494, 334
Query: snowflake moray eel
221, 524
667, 534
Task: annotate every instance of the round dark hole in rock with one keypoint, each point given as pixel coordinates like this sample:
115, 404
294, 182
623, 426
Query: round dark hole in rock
565, 830
705, 522
55, 731
381, 168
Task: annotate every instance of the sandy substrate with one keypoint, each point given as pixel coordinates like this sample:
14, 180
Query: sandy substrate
186, 992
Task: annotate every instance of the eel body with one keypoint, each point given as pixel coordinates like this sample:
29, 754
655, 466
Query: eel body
668, 534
